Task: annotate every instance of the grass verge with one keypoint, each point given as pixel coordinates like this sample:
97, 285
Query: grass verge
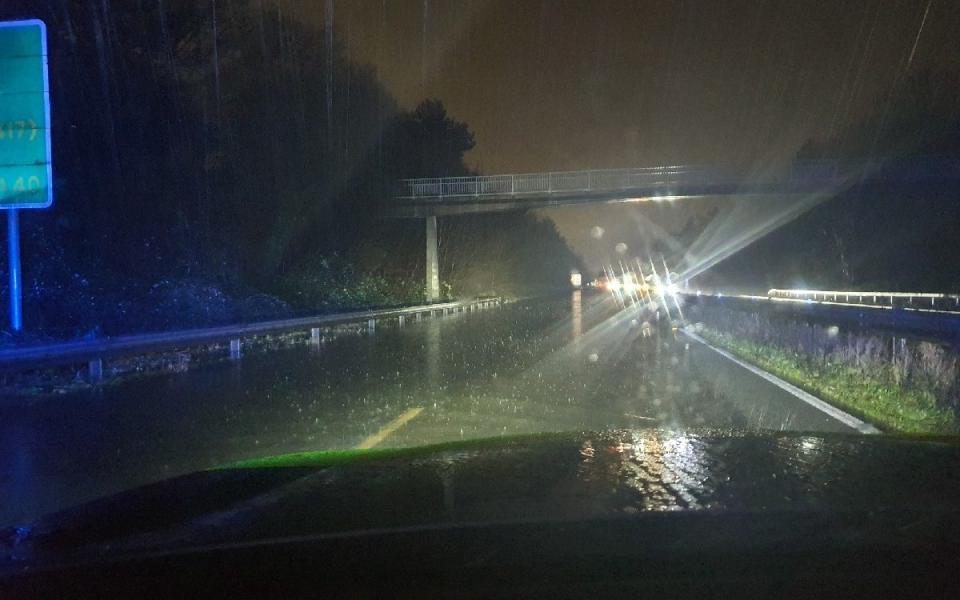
867, 393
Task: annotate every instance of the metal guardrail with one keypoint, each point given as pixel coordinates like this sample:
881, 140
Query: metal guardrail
941, 322
95, 351
820, 172
933, 304
527, 183
946, 302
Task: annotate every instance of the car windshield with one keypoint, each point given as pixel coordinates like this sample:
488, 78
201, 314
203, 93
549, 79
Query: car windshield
238, 229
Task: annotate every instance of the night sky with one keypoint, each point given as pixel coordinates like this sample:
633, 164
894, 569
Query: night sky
553, 85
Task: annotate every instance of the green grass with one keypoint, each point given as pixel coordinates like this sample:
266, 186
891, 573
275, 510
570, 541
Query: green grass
867, 393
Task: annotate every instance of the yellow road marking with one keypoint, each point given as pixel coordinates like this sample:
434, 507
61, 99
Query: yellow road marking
389, 428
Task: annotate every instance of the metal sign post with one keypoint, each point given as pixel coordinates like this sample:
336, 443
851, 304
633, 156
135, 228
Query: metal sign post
13, 253
26, 166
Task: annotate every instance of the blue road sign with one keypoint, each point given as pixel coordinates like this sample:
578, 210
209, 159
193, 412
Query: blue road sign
26, 168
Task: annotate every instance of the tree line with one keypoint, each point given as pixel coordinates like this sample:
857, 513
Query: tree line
892, 237
224, 161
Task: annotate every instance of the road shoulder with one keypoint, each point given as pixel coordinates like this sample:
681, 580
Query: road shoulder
834, 412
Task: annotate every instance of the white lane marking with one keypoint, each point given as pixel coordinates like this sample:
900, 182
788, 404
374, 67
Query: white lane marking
845, 418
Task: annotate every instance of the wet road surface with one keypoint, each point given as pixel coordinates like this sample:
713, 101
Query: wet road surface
572, 364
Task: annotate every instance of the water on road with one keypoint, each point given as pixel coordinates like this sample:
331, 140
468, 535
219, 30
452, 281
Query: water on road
576, 363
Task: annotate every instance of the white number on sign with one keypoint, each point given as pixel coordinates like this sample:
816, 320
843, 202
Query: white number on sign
29, 185
17, 130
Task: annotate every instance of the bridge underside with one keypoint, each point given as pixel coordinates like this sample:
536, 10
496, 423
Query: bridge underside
441, 206
429, 198
431, 208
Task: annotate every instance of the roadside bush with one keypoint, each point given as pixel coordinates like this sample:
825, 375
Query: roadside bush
333, 283
179, 303
261, 307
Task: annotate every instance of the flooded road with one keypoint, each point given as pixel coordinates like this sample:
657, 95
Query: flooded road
575, 363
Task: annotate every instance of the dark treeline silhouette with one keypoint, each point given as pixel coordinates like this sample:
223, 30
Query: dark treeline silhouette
222, 161
890, 237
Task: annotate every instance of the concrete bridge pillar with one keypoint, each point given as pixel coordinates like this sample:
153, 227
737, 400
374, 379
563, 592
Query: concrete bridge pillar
433, 262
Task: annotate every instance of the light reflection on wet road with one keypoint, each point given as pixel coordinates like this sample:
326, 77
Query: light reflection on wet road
570, 364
